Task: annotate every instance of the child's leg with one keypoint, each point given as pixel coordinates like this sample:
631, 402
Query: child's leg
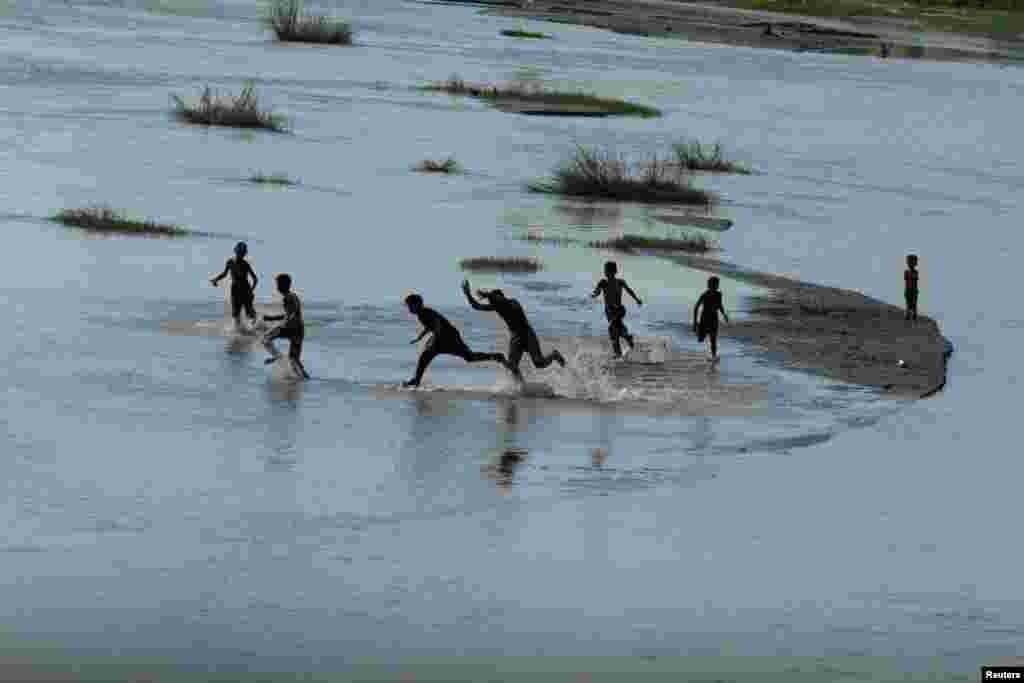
295, 354
713, 338
268, 344
428, 355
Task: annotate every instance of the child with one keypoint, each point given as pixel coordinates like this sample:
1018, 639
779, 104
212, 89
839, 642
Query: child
710, 303
241, 293
292, 329
910, 276
523, 339
446, 339
613, 308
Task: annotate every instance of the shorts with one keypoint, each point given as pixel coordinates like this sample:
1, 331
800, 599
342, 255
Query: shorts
911, 297
450, 344
707, 328
294, 335
242, 297
615, 313
524, 342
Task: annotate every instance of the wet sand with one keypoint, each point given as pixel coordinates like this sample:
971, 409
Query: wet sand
842, 334
718, 22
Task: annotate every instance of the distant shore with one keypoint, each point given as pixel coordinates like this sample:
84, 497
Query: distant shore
727, 22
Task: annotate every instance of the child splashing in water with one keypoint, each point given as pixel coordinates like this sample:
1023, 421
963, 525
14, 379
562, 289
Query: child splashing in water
292, 329
709, 304
242, 294
612, 288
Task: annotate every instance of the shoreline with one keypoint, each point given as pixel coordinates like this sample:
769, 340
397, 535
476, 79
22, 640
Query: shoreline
722, 22
840, 333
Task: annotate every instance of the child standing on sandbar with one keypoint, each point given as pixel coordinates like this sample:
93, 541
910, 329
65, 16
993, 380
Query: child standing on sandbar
910, 291
709, 304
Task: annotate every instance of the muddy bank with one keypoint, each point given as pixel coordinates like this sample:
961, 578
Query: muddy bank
842, 334
718, 22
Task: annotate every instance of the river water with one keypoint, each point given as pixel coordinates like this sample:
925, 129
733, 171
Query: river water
164, 498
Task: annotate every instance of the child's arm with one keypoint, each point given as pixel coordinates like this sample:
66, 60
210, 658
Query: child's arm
421, 335
721, 307
598, 288
255, 280
473, 302
216, 280
632, 294
287, 316
697, 306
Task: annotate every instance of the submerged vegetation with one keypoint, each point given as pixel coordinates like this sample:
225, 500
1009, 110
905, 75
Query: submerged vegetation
104, 220
500, 264
449, 165
291, 26
241, 111
602, 175
273, 179
694, 156
532, 98
629, 243
513, 33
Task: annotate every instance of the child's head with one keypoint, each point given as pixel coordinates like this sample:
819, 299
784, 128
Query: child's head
414, 302
284, 282
912, 260
241, 249
610, 269
713, 282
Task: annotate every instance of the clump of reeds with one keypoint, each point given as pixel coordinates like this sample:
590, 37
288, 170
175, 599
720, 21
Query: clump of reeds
601, 174
694, 156
500, 264
291, 26
628, 243
449, 165
513, 33
105, 220
241, 111
527, 92
273, 179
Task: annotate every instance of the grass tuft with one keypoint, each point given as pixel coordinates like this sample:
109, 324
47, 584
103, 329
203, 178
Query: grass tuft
241, 111
291, 26
527, 95
694, 156
512, 33
499, 264
629, 243
600, 174
449, 165
105, 220
273, 179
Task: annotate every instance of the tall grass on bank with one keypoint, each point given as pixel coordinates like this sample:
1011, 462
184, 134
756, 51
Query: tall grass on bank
500, 264
602, 175
241, 111
104, 220
515, 33
272, 179
527, 93
291, 26
449, 165
694, 156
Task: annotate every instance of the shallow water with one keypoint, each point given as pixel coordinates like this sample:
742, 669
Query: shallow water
165, 498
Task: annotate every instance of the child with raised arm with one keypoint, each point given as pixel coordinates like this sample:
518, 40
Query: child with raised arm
612, 288
292, 329
910, 278
709, 304
242, 294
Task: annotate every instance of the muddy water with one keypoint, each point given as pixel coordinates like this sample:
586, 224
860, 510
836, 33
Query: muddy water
165, 498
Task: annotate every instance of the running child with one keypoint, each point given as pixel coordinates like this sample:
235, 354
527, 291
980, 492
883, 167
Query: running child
709, 303
292, 329
612, 287
446, 340
910, 278
524, 339
242, 294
